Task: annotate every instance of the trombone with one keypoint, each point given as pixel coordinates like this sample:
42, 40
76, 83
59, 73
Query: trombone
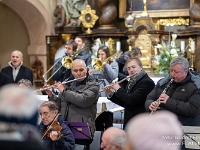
97, 63
64, 82
103, 89
66, 62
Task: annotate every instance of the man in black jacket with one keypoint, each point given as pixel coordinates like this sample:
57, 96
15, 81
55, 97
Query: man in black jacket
181, 97
16, 70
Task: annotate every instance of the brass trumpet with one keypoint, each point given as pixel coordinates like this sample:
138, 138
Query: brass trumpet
97, 63
65, 82
66, 62
118, 82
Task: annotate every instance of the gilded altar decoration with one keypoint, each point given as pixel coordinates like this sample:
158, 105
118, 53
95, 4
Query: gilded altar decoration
166, 52
174, 21
88, 18
143, 42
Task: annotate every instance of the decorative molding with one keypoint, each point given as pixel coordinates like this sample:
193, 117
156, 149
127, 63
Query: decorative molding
174, 21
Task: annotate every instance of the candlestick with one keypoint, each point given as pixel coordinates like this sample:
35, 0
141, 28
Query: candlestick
118, 45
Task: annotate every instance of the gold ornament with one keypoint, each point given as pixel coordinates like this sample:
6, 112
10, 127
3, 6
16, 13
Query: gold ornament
88, 18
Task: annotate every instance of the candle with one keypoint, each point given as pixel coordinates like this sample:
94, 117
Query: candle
192, 46
97, 44
118, 45
182, 45
106, 43
131, 6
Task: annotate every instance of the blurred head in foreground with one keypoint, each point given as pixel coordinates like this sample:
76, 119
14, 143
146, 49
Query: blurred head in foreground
25, 83
18, 105
114, 138
157, 132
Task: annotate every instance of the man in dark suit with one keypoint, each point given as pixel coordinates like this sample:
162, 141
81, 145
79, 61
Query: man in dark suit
4, 79
16, 70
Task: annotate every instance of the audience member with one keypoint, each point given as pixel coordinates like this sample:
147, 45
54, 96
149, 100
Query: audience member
16, 70
85, 52
114, 138
64, 73
133, 97
161, 131
77, 100
25, 83
18, 119
181, 97
4, 79
52, 139
135, 52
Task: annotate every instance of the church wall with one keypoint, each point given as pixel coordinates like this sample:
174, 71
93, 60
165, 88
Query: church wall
13, 35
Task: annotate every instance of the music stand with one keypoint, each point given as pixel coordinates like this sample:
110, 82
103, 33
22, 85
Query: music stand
81, 132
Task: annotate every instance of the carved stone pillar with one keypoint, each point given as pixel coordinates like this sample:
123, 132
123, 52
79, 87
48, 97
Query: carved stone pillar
194, 12
109, 14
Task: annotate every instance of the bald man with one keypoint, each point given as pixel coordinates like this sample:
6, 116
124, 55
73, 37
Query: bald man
114, 139
77, 100
16, 70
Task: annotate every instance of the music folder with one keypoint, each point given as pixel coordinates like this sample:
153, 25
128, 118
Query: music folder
80, 130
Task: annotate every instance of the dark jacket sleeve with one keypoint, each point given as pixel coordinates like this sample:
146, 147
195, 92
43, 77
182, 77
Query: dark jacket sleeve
67, 142
58, 73
84, 97
134, 97
30, 76
151, 97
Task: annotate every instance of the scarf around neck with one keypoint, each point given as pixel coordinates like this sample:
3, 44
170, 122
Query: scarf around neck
133, 81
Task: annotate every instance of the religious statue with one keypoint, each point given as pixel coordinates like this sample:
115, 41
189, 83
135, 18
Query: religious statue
194, 12
67, 12
37, 67
109, 14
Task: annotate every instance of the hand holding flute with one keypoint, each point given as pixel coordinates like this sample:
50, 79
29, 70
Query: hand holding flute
115, 85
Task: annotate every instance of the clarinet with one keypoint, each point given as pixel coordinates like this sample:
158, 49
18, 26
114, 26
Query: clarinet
163, 92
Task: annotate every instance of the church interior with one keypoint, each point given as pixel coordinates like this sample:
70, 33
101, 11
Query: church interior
40, 28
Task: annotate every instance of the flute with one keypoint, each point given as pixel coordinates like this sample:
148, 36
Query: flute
163, 92
103, 89
64, 82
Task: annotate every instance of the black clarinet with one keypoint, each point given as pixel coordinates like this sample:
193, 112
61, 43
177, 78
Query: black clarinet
163, 92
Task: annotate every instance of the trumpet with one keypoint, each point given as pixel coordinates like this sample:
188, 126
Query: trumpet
66, 62
103, 89
65, 82
163, 92
97, 63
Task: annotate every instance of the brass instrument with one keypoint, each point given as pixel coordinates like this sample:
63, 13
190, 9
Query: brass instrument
118, 82
163, 92
65, 82
66, 62
97, 63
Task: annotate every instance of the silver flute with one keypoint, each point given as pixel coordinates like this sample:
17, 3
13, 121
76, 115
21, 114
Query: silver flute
65, 82
163, 92
110, 85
